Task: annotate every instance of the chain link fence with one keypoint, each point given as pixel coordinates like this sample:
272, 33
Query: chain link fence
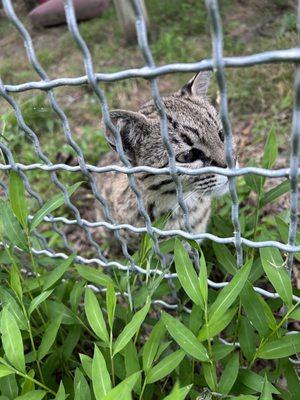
150, 71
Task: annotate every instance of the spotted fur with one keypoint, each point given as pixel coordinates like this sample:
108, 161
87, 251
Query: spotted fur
195, 132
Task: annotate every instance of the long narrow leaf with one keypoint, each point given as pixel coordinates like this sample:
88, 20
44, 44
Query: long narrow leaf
280, 348
100, 375
17, 198
185, 338
152, 344
186, 273
123, 390
131, 328
52, 205
95, 316
230, 374
274, 267
11, 227
12, 340
165, 366
229, 293
57, 273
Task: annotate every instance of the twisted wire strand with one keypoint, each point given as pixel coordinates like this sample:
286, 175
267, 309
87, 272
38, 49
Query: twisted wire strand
266, 57
217, 43
294, 171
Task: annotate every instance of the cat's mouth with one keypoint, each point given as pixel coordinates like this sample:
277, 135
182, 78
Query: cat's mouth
220, 189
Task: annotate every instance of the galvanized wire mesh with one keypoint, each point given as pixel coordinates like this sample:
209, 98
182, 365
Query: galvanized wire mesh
150, 71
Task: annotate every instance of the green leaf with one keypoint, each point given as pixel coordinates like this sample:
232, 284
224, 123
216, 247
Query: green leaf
100, 375
61, 393
12, 340
86, 363
5, 370
254, 309
15, 282
151, 346
225, 258
49, 338
94, 275
95, 316
274, 193
230, 374
254, 182
271, 150
292, 377
247, 338
11, 227
280, 348
186, 273
28, 385
210, 375
51, 205
57, 273
229, 293
217, 326
57, 310
131, 328
81, 387
17, 198
253, 381
9, 387
13, 307
132, 363
203, 279
185, 338
111, 301
274, 268
266, 393
221, 350
179, 393
196, 318
32, 395
165, 366
123, 389
295, 314
38, 300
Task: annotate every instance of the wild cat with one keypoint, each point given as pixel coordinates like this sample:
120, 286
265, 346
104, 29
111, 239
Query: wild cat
196, 135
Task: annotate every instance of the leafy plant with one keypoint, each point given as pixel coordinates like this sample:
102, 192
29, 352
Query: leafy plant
62, 337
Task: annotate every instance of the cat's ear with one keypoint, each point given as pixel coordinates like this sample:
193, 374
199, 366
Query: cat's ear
130, 125
198, 85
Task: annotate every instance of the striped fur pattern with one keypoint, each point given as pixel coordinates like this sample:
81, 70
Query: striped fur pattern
195, 132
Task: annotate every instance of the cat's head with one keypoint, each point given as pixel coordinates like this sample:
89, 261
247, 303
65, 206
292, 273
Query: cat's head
195, 133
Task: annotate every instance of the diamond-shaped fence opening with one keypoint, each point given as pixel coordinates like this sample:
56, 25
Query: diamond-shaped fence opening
150, 71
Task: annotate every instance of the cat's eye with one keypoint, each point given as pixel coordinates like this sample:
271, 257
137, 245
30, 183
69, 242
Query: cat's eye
191, 156
221, 135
